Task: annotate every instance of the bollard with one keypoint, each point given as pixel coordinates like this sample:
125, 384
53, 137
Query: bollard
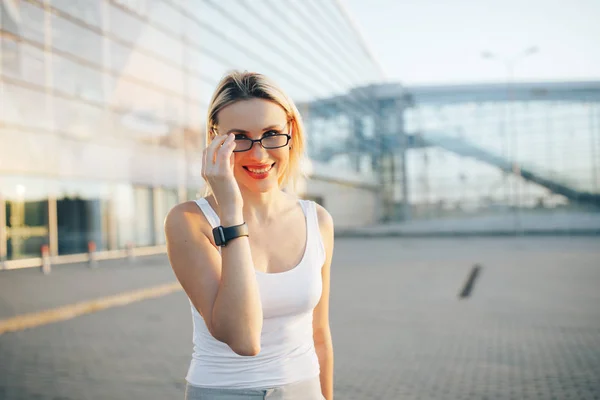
130, 255
46, 267
92, 253
470, 283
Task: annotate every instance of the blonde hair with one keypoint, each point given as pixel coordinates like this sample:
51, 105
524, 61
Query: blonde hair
243, 85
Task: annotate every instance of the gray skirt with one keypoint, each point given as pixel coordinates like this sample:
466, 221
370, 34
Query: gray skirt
304, 390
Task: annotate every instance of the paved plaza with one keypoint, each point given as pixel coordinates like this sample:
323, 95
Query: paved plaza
530, 328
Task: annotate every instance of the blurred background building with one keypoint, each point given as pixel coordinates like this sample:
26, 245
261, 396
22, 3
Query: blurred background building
511, 150
103, 108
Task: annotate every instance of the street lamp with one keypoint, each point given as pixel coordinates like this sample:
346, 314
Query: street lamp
509, 62
509, 65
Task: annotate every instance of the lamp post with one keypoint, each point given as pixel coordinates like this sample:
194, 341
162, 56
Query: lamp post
510, 139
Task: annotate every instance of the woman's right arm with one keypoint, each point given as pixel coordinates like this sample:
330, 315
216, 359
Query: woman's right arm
222, 287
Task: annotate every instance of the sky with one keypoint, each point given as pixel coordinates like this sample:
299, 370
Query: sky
441, 41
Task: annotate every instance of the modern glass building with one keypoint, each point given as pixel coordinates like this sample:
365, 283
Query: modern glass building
103, 108
476, 150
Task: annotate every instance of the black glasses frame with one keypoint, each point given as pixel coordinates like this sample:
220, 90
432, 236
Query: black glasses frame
288, 136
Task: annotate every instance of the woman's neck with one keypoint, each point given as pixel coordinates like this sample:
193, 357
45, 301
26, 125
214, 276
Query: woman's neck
264, 207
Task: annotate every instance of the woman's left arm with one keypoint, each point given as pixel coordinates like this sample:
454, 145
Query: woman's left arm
321, 330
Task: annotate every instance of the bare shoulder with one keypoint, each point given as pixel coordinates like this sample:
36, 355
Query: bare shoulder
185, 219
325, 221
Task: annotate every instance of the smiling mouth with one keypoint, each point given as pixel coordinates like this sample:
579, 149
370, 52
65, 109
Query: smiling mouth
261, 170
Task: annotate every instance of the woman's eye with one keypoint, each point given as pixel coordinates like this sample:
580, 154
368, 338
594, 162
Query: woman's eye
270, 133
240, 136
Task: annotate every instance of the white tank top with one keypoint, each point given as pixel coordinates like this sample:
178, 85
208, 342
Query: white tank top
288, 298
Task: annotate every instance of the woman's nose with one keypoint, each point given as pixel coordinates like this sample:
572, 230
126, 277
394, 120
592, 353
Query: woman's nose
257, 151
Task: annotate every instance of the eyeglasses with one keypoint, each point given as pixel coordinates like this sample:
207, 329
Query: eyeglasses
269, 142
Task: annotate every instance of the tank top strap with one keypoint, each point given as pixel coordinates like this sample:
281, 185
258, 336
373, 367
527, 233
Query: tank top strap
208, 211
312, 225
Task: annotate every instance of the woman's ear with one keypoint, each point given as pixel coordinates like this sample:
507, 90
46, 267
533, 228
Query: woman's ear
292, 130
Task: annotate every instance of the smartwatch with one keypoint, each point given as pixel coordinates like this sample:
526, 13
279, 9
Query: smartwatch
223, 235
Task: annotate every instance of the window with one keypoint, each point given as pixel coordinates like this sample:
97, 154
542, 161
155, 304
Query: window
26, 209
76, 40
161, 44
25, 107
141, 34
32, 24
9, 20
127, 95
89, 11
10, 58
124, 208
82, 216
144, 216
131, 62
78, 118
124, 25
164, 15
199, 90
203, 63
77, 79
166, 199
33, 61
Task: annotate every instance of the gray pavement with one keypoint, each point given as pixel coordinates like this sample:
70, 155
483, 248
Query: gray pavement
507, 223
529, 330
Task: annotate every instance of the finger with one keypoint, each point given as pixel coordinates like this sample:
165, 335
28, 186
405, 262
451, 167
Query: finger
227, 146
225, 152
214, 146
229, 141
203, 171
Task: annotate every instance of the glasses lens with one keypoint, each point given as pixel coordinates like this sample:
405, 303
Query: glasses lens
275, 141
242, 144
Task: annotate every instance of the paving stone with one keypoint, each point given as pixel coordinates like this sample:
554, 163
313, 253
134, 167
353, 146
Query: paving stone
529, 330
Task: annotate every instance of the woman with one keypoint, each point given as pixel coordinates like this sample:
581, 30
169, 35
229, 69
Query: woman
253, 259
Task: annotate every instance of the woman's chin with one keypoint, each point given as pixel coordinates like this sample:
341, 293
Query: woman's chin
261, 186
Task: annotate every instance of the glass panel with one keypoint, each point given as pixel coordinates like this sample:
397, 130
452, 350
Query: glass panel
164, 15
76, 40
10, 17
131, 62
124, 25
26, 216
78, 119
204, 63
199, 90
33, 60
131, 29
167, 199
161, 44
32, 22
77, 79
124, 214
82, 216
17, 109
11, 59
144, 216
85, 10
119, 56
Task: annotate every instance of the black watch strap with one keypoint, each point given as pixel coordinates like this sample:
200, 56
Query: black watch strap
223, 235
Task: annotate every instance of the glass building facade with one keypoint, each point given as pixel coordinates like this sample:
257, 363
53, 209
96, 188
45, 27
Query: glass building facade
468, 150
103, 105
529, 154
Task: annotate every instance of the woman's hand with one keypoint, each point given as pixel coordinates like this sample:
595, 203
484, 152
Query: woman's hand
217, 170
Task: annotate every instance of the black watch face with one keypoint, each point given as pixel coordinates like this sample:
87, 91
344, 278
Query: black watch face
219, 236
